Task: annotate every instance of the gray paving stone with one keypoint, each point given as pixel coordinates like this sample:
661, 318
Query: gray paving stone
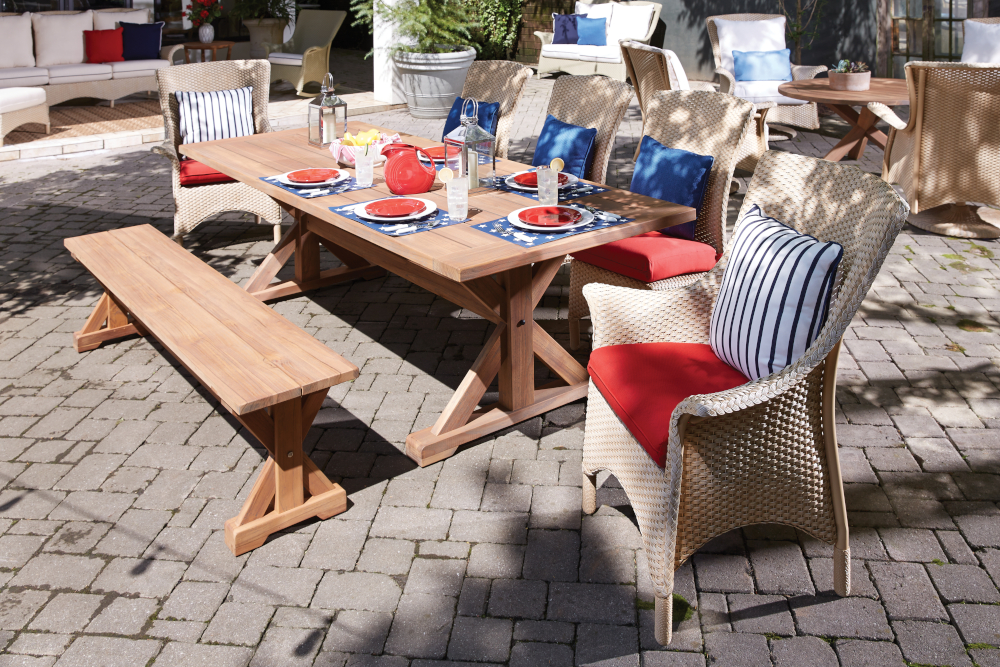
133, 532
722, 573
498, 527
109, 651
358, 632
803, 651
124, 616
238, 623
17, 608
496, 561
911, 544
963, 583
480, 639
181, 631
544, 631
143, 577
517, 598
181, 654
386, 556
194, 601
760, 614
672, 659
336, 545
779, 567
215, 562
737, 650
39, 644
980, 531
411, 523
472, 600
528, 654
930, 643
421, 626
605, 603
360, 591
978, 623
606, 645
435, 576
860, 653
858, 618
288, 646
66, 613
907, 591
297, 617
92, 506
16, 550
58, 572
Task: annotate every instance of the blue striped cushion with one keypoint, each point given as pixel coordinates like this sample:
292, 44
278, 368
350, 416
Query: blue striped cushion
220, 114
774, 296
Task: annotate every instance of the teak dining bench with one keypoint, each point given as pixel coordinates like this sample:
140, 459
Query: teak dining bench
268, 373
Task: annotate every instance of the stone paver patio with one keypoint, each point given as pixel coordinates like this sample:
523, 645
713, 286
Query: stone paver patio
116, 474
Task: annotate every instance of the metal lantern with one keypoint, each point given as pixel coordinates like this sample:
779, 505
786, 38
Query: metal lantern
327, 115
470, 150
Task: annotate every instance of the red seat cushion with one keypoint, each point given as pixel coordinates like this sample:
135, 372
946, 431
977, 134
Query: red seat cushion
651, 257
643, 383
196, 173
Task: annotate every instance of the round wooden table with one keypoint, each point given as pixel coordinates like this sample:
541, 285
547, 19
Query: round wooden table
205, 48
891, 92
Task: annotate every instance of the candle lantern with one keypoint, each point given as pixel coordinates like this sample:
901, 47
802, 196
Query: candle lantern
327, 115
470, 150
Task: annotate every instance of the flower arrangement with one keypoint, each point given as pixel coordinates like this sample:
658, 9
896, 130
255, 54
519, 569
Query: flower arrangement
343, 149
847, 67
200, 12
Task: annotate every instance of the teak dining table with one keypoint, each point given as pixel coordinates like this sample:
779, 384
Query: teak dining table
489, 276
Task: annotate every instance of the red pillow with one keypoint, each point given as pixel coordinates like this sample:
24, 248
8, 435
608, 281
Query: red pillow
103, 46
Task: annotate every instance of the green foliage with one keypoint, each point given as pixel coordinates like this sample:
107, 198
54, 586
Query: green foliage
259, 9
499, 24
848, 67
802, 19
424, 26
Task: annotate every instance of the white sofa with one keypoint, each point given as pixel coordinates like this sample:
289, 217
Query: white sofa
627, 20
46, 49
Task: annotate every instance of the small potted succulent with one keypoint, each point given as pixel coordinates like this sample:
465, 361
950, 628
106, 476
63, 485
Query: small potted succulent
201, 13
846, 75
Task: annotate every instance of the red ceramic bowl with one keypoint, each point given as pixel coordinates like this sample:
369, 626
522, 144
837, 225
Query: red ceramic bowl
530, 179
313, 175
395, 208
550, 216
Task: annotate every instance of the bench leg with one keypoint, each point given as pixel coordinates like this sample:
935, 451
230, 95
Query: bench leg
290, 488
107, 322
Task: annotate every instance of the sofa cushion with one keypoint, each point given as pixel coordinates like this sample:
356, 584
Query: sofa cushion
294, 59
110, 20
16, 47
763, 65
59, 37
23, 76
610, 53
651, 257
982, 42
193, 172
15, 99
221, 114
644, 382
763, 91
564, 29
79, 73
142, 41
591, 32
766, 35
603, 10
133, 69
561, 51
103, 46
630, 22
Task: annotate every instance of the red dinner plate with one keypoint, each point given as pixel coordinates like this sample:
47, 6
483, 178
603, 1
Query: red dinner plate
550, 216
313, 175
395, 208
436, 152
530, 179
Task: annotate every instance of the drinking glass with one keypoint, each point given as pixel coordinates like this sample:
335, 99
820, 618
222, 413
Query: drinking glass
364, 165
548, 186
458, 198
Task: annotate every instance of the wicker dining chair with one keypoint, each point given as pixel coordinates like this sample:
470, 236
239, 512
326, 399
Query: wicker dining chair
948, 153
766, 451
498, 81
798, 115
305, 58
592, 101
195, 204
706, 123
651, 69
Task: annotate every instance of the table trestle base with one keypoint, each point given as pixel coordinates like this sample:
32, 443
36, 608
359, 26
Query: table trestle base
108, 321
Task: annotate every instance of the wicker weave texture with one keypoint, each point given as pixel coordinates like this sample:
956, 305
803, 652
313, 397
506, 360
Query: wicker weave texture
498, 81
13, 119
592, 101
196, 204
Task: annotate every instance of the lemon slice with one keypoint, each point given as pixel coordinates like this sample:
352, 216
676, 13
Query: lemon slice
446, 175
557, 164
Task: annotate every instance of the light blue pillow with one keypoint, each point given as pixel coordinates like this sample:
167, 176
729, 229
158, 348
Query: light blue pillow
572, 143
591, 32
673, 175
763, 65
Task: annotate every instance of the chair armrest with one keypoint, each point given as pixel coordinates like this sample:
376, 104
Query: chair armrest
546, 37
703, 85
270, 48
887, 114
167, 52
765, 105
727, 81
312, 51
168, 151
800, 72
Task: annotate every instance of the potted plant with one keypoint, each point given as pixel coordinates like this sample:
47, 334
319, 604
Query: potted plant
846, 75
433, 50
264, 19
201, 13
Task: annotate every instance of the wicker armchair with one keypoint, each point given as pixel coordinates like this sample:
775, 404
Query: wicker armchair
195, 204
651, 69
765, 451
707, 123
949, 151
498, 81
799, 115
305, 58
592, 101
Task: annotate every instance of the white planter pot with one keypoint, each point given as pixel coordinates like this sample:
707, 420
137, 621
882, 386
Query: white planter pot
432, 81
261, 31
206, 33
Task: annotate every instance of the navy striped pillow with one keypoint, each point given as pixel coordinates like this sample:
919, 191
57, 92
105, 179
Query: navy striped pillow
220, 114
774, 296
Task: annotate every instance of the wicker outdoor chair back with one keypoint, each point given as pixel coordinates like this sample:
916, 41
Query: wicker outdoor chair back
498, 81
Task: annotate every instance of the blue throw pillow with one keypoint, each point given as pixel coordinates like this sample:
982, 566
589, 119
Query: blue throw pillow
591, 32
572, 143
672, 175
564, 28
489, 116
141, 41
763, 65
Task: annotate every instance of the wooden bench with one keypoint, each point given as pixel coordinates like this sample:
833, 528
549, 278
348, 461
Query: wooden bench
268, 373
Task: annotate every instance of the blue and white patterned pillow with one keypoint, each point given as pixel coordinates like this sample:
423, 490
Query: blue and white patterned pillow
774, 297
220, 114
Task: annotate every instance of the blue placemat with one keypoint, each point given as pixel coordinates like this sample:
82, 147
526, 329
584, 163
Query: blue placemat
578, 190
435, 220
311, 193
527, 239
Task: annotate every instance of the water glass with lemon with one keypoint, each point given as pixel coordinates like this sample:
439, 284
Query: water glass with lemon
363, 145
458, 194
548, 182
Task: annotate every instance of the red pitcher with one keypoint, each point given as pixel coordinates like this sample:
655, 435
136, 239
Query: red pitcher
404, 173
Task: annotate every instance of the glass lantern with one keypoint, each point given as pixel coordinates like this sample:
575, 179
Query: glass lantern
327, 115
470, 150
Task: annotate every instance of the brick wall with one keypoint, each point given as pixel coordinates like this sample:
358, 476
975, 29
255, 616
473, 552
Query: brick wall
537, 15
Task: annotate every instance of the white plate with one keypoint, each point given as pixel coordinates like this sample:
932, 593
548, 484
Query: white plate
573, 180
283, 179
588, 218
359, 211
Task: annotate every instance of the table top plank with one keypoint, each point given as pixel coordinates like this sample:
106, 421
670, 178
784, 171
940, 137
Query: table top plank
891, 92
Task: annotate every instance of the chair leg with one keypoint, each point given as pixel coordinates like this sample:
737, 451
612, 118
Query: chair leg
277, 233
589, 493
842, 572
574, 333
663, 624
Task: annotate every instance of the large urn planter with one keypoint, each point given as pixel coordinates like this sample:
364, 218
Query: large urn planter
432, 81
264, 31
850, 80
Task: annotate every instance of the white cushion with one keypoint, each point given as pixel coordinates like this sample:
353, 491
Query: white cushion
604, 10
601, 54
110, 20
675, 71
221, 114
982, 43
15, 99
562, 51
774, 296
630, 22
23, 76
16, 45
285, 59
763, 91
59, 37
79, 73
767, 35
133, 69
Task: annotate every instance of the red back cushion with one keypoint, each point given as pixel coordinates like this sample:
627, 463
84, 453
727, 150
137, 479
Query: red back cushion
103, 46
